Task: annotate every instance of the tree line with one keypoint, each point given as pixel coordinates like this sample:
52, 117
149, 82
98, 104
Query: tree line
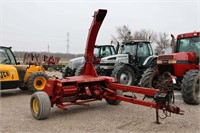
161, 39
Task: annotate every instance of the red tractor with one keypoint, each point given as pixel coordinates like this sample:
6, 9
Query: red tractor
78, 90
182, 63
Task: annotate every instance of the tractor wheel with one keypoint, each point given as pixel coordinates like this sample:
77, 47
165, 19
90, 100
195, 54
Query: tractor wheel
79, 70
190, 87
37, 81
115, 102
124, 74
149, 78
40, 105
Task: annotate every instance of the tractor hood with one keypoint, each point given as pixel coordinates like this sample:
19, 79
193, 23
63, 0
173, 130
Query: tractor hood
8, 73
178, 58
115, 58
76, 62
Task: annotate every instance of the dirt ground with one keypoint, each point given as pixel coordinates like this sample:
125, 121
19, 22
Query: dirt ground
99, 117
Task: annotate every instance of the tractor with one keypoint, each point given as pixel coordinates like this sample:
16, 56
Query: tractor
75, 65
133, 58
13, 75
182, 63
88, 87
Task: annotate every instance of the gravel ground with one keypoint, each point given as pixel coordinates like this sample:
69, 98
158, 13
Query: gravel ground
99, 117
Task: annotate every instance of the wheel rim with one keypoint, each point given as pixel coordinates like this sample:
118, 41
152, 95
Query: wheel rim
126, 78
35, 106
39, 83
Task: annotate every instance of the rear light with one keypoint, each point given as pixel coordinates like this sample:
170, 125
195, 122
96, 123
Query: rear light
197, 34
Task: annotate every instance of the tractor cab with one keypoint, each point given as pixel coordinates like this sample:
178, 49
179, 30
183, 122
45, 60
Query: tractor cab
189, 43
137, 50
7, 56
185, 55
101, 51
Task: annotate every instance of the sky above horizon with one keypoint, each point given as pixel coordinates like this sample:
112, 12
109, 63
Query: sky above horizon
32, 25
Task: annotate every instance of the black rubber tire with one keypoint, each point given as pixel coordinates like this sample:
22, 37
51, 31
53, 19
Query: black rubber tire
40, 105
67, 72
23, 88
115, 102
64, 73
79, 70
190, 87
42, 79
124, 74
149, 78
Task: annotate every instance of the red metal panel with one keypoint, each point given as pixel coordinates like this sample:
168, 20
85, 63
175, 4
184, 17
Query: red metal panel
92, 35
136, 89
69, 90
187, 35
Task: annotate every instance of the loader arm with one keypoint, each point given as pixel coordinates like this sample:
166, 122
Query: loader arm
92, 35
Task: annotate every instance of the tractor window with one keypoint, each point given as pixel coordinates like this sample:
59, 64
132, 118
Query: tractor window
143, 52
6, 56
112, 50
96, 52
105, 51
189, 45
128, 49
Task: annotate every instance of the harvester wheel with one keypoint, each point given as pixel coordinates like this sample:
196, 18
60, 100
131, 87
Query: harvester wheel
149, 78
124, 74
37, 81
40, 105
190, 87
115, 102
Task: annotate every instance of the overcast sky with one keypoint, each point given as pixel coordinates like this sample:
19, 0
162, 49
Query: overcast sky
32, 25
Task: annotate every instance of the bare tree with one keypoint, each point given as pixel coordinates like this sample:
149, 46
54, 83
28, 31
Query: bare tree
144, 35
124, 33
162, 42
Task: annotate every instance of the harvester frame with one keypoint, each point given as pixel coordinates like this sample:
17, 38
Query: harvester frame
78, 90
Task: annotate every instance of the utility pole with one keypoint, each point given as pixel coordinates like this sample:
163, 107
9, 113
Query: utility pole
67, 42
48, 50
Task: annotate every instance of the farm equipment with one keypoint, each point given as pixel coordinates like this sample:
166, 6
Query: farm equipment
13, 75
183, 63
88, 87
133, 58
75, 65
46, 61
